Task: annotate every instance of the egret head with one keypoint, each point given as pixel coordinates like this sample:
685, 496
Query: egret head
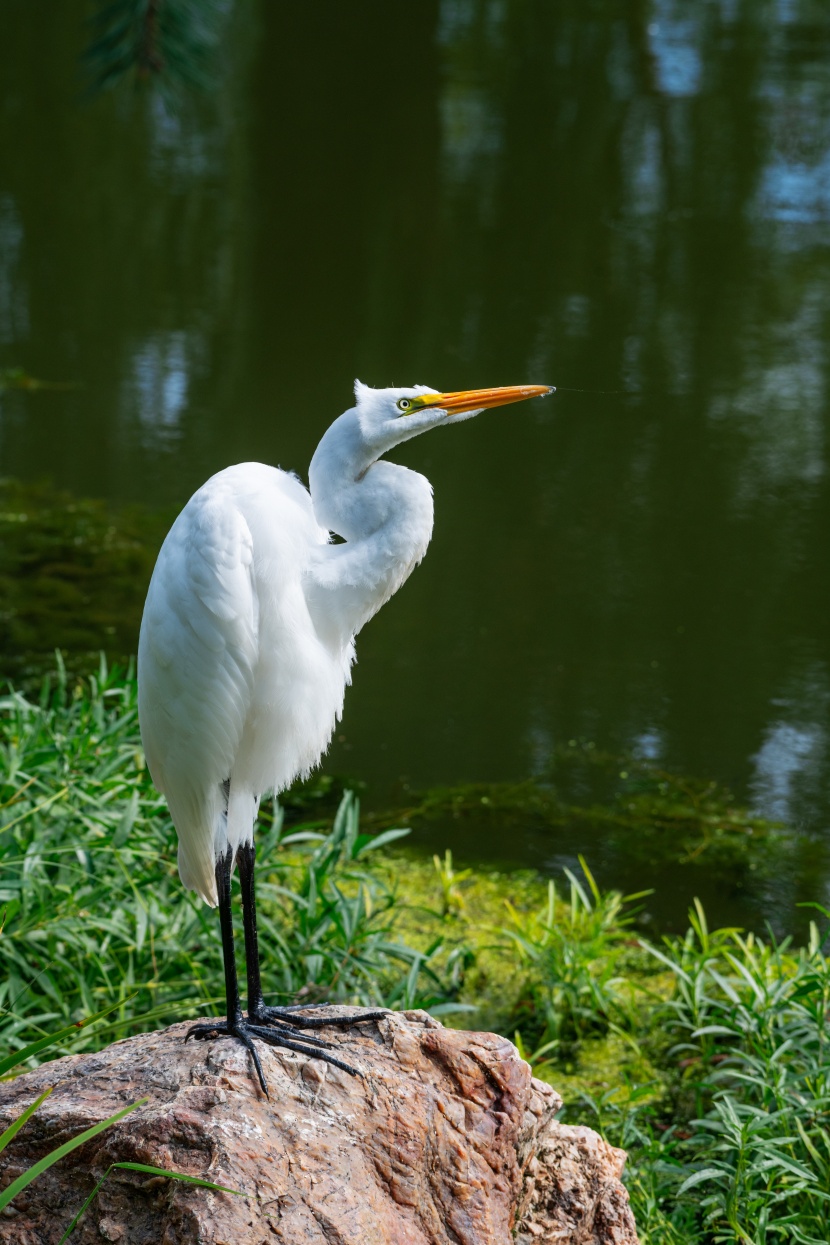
389, 416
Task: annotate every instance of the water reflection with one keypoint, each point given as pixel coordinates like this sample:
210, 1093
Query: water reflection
674, 43
790, 766
628, 200
157, 388
786, 753
14, 312
180, 150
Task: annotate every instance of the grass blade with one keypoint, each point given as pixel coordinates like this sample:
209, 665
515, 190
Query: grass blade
34, 1048
150, 1171
17, 1124
32, 1173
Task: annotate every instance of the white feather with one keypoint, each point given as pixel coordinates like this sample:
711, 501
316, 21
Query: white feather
248, 631
228, 659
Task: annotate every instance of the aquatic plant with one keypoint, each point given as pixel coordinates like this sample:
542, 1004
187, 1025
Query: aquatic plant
704, 1054
95, 910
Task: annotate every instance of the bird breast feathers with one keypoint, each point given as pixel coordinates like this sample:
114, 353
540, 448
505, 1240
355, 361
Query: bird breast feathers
200, 638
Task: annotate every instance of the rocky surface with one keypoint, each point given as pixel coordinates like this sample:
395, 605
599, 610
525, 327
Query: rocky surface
446, 1139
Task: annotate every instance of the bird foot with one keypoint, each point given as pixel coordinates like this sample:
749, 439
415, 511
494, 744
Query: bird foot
293, 1016
285, 1035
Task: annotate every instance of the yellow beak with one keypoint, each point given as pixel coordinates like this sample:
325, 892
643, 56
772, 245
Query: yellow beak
479, 399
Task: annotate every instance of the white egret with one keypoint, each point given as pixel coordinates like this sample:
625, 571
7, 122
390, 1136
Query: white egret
247, 642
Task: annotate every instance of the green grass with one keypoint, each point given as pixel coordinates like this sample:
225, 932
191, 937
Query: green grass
705, 1056
711, 1068
96, 913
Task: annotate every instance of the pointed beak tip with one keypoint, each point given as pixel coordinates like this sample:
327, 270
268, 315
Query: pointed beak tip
481, 399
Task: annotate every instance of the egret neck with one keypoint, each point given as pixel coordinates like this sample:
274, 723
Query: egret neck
383, 512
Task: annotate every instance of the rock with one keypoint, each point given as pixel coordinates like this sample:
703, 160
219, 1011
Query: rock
447, 1138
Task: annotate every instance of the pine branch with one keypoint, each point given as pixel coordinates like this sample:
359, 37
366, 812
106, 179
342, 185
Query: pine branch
173, 42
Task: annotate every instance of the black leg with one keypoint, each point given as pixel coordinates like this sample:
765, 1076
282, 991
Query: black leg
235, 1024
246, 857
224, 869
286, 1019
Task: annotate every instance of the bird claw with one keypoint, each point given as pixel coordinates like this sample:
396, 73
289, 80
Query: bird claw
290, 1016
286, 1036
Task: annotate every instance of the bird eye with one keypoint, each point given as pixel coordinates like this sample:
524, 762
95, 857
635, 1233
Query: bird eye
404, 404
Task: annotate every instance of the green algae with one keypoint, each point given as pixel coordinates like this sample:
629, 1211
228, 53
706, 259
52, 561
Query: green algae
72, 577
645, 812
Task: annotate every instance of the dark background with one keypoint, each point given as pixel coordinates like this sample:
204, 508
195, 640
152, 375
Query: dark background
633, 198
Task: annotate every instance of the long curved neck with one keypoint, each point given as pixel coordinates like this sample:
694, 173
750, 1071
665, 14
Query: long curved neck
384, 514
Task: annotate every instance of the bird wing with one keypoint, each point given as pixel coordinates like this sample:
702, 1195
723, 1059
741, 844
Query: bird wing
197, 656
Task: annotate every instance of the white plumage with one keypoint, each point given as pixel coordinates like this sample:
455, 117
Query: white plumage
234, 682
247, 638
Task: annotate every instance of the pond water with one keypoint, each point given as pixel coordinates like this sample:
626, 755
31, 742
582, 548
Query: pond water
631, 202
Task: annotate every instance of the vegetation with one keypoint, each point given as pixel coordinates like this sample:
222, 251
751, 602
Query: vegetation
636, 817
95, 911
37, 1169
703, 1055
175, 42
10, 1062
70, 574
716, 1077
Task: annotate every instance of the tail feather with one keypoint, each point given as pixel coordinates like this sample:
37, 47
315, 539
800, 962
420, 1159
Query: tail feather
225, 819
201, 828
198, 875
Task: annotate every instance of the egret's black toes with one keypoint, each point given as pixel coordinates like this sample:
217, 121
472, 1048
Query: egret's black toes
285, 1035
290, 1016
277, 1037
202, 1032
226, 1028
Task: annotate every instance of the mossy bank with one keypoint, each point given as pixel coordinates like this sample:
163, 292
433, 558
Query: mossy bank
704, 1054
